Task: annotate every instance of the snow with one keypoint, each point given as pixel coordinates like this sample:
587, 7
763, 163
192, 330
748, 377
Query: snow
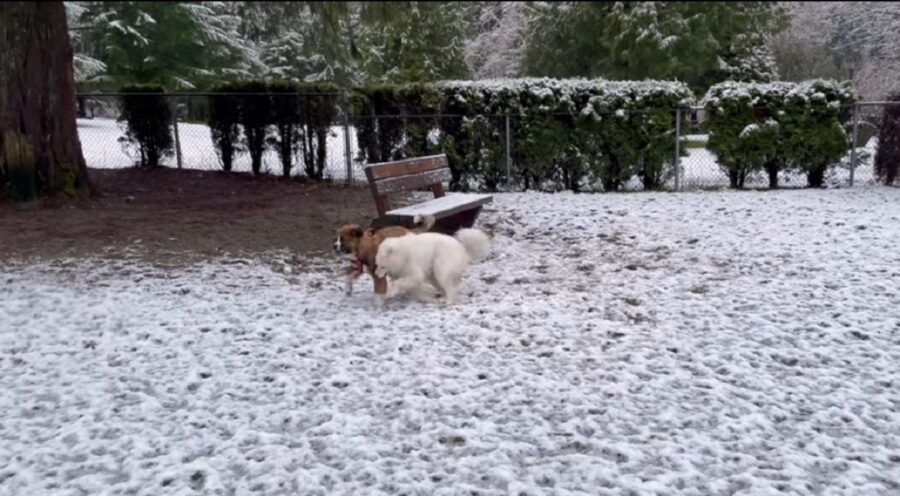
438, 205
603, 93
780, 90
747, 131
690, 344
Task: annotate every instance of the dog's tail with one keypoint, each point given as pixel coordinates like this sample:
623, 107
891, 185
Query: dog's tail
426, 221
476, 242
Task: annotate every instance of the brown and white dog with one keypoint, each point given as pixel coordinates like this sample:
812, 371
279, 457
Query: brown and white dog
363, 245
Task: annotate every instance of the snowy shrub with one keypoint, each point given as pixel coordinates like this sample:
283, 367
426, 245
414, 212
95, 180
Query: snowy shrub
777, 126
634, 123
224, 120
566, 134
395, 121
319, 111
147, 120
379, 127
887, 158
419, 103
573, 133
255, 110
293, 119
287, 121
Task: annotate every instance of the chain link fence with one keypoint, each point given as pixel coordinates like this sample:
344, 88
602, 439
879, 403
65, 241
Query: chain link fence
701, 168
500, 161
102, 140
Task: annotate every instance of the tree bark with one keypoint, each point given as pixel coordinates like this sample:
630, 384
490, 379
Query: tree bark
37, 94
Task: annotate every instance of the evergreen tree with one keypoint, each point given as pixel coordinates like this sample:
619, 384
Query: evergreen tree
417, 41
176, 45
696, 42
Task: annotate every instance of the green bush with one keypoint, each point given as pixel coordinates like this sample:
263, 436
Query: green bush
569, 134
224, 124
378, 122
292, 119
148, 118
286, 118
634, 128
255, 111
777, 126
319, 111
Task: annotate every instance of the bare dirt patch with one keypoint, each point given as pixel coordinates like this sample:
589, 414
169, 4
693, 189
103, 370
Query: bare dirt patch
176, 215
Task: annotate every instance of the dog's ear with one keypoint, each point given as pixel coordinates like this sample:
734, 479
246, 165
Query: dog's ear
356, 232
370, 231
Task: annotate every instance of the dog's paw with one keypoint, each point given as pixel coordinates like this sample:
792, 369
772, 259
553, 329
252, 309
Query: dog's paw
379, 300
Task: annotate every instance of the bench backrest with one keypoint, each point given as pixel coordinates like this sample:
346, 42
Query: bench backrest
407, 175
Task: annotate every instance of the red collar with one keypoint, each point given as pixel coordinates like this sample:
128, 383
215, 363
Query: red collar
359, 264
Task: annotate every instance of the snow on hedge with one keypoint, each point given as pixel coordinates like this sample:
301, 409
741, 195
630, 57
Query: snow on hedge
756, 93
577, 95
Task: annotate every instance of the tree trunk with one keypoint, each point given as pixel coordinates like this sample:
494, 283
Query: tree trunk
772, 170
37, 94
815, 177
734, 178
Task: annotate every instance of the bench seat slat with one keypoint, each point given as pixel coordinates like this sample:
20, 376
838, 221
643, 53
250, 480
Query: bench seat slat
441, 207
411, 181
387, 170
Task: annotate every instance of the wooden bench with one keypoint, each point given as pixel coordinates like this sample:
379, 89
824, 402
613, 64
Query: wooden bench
451, 212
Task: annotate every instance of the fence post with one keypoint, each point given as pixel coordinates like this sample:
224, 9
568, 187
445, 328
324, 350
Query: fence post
508, 157
175, 128
348, 163
678, 149
853, 139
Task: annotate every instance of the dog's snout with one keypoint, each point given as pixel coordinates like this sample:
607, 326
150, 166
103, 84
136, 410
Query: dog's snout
337, 245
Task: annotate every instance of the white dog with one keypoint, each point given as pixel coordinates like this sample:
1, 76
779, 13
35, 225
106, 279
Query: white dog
438, 259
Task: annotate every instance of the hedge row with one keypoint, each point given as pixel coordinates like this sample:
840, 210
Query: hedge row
293, 119
776, 127
148, 118
573, 134
256, 116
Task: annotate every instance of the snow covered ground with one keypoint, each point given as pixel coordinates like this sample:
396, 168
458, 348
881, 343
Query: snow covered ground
671, 344
99, 139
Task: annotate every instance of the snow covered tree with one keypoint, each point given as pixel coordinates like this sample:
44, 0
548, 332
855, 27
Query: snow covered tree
87, 66
301, 41
497, 48
860, 38
176, 45
418, 41
801, 59
697, 42
39, 147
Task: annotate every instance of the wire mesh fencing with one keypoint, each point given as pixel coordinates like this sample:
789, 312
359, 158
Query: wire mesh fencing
104, 144
702, 168
619, 150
